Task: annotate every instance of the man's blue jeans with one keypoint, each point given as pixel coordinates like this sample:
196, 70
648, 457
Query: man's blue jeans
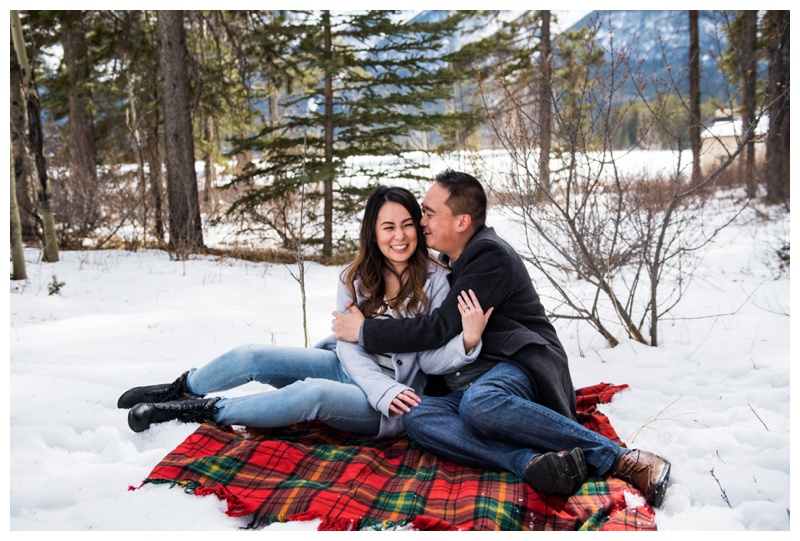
497, 425
311, 385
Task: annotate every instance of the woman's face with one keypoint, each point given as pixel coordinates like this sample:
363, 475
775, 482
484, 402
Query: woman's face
396, 234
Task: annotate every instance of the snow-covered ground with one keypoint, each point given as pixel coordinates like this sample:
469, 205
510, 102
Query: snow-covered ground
714, 397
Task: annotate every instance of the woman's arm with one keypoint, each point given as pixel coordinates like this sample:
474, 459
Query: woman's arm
382, 391
473, 319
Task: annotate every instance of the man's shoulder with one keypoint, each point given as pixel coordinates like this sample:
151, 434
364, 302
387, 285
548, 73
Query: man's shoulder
487, 241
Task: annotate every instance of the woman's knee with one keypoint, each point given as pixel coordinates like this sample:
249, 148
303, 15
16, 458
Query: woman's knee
246, 358
315, 391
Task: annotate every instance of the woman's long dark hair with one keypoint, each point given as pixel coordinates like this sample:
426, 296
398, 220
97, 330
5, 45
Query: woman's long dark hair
370, 263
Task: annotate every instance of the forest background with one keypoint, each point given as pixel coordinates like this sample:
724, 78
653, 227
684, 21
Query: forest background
292, 117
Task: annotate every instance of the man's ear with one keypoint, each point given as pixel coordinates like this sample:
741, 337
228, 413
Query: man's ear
464, 221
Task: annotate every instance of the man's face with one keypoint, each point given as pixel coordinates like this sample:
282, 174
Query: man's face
438, 223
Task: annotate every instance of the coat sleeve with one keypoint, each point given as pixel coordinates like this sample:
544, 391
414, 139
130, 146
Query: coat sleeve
361, 367
483, 268
451, 356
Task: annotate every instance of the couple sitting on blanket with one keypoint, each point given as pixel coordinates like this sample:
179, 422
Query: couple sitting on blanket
401, 316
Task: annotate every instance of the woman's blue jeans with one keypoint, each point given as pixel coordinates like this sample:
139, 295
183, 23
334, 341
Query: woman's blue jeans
311, 385
497, 425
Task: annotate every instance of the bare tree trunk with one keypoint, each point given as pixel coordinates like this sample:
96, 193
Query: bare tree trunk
185, 228
26, 199
749, 75
327, 238
694, 95
17, 255
778, 149
154, 165
545, 110
35, 141
81, 149
208, 170
132, 120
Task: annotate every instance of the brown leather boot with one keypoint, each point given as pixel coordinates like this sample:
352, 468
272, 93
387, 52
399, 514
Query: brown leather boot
645, 471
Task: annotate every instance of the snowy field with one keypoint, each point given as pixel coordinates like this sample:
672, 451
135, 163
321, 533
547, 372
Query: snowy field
714, 398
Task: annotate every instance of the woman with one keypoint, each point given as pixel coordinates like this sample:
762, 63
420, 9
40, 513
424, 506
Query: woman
335, 382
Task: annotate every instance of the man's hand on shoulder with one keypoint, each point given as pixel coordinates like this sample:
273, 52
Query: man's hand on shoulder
346, 326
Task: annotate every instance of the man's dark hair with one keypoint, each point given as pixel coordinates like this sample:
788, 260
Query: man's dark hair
466, 195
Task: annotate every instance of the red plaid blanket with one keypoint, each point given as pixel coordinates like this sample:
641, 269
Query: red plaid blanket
352, 482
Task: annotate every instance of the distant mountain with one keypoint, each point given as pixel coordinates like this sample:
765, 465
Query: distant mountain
657, 38
660, 39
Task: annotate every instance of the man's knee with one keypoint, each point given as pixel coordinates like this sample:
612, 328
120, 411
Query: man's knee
479, 408
414, 420
485, 406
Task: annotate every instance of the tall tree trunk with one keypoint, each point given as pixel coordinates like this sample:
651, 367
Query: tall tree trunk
694, 95
132, 120
154, 166
545, 108
327, 238
35, 141
749, 75
26, 199
778, 150
185, 228
208, 169
81, 149
17, 255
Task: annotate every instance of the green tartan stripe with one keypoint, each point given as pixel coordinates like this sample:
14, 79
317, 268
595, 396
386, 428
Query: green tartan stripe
594, 522
188, 486
594, 485
398, 502
293, 481
333, 453
222, 469
421, 474
504, 514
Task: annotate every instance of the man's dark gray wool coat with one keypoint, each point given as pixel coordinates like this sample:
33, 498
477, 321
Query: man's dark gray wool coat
518, 331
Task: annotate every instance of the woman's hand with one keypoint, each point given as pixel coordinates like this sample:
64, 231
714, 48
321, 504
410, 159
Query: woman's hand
473, 319
402, 401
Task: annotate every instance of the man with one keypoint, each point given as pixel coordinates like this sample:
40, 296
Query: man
512, 408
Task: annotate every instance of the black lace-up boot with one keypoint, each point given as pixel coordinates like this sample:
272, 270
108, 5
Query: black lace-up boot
557, 473
202, 410
165, 392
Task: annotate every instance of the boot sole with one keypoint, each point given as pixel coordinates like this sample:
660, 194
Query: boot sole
660, 489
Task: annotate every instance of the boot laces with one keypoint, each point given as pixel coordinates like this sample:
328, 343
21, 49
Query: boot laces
173, 392
630, 466
191, 410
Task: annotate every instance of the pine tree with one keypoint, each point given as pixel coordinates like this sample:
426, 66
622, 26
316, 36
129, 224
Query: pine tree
373, 83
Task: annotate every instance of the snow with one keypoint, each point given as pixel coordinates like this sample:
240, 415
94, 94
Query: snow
713, 398
733, 128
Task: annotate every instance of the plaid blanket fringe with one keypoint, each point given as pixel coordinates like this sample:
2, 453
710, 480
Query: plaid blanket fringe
349, 482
